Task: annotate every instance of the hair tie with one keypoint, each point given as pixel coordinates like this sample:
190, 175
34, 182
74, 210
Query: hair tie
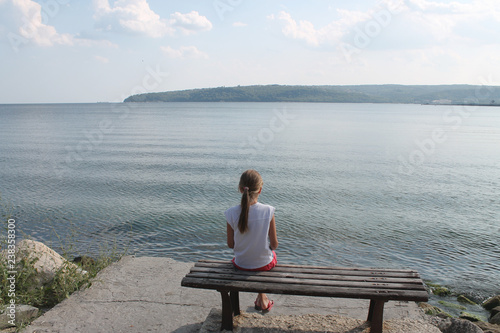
246, 188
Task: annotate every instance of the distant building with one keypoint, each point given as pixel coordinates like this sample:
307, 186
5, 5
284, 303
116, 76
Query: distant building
441, 101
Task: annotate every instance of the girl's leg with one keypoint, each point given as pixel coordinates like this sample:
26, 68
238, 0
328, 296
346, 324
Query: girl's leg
262, 301
258, 302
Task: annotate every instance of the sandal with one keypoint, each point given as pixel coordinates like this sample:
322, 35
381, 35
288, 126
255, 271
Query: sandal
269, 306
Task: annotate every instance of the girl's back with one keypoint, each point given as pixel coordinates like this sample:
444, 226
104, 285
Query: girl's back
252, 248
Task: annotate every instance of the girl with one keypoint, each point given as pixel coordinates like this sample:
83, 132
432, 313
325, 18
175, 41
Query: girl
251, 232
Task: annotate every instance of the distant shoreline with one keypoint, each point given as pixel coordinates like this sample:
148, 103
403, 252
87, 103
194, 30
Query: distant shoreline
389, 93
429, 104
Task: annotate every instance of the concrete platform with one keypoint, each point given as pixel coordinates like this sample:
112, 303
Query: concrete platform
144, 294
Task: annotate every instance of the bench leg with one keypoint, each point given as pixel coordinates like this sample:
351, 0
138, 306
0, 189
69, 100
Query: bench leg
235, 302
376, 315
227, 311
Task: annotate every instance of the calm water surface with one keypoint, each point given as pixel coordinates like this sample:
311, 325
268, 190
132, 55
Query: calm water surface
354, 184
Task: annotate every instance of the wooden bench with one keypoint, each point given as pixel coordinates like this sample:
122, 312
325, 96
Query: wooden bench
377, 285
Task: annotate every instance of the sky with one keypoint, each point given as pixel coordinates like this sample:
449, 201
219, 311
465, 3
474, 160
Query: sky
87, 51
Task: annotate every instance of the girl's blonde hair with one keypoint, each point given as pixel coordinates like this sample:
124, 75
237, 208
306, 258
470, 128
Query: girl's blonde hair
250, 185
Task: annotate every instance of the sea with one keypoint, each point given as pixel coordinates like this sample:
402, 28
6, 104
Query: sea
365, 185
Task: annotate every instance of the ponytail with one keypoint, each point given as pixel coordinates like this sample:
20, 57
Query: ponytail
250, 185
245, 207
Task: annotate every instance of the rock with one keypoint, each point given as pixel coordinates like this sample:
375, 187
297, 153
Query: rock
22, 313
470, 316
495, 319
432, 310
452, 305
441, 291
45, 260
488, 328
444, 315
492, 303
494, 311
453, 325
465, 300
429, 309
437, 289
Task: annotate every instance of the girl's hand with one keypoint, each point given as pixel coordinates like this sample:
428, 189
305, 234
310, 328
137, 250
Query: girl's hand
230, 236
273, 237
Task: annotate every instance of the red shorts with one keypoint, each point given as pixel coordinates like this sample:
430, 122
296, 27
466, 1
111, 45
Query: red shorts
268, 267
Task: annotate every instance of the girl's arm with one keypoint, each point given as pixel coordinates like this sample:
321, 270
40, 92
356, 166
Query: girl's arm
230, 236
273, 238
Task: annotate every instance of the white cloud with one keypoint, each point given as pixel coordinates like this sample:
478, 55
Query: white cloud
454, 20
22, 23
184, 52
129, 16
135, 16
398, 23
190, 23
306, 31
25, 22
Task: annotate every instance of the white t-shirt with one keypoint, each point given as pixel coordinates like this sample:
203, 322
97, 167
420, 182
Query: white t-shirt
251, 249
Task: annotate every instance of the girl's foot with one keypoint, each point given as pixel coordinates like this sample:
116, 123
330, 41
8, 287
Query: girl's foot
260, 303
269, 306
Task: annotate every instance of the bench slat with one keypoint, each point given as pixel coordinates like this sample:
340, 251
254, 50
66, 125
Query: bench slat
417, 282
305, 282
308, 290
360, 269
325, 271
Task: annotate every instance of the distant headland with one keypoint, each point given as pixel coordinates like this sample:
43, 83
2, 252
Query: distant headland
386, 93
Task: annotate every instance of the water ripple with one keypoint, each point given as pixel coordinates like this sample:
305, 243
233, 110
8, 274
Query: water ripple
160, 182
